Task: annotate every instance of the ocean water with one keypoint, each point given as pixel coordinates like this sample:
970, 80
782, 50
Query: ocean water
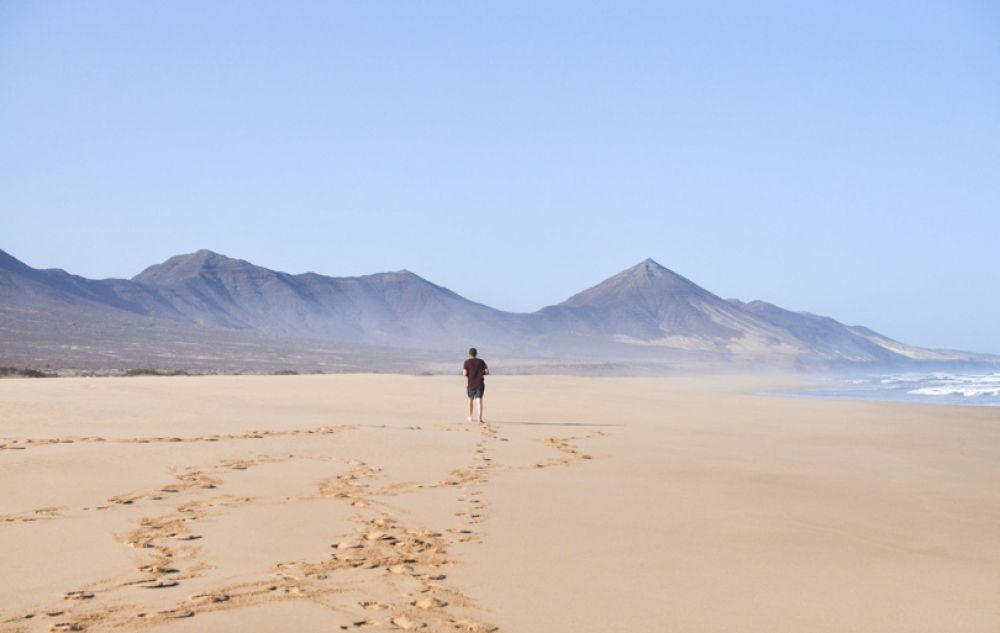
977, 389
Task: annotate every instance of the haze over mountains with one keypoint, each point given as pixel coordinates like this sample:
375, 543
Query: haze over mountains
206, 310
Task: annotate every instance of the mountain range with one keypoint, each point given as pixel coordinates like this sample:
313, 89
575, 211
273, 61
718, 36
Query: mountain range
204, 307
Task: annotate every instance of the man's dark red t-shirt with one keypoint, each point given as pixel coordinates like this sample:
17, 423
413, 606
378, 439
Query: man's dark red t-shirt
475, 368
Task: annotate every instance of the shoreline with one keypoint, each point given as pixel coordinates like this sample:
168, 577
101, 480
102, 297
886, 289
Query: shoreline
884, 388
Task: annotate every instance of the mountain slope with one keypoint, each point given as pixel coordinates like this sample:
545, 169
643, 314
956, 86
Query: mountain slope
650, 305
824, 336
832, 340
50, 292
646, 313
388, 308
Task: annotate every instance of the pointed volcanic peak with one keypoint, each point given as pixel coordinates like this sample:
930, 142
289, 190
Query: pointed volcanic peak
647, 285
651, 304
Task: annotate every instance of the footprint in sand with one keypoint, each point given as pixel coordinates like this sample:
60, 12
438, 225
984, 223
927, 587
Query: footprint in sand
159, 584
400, 569
468, 626
430, 603
215, 598
406, 623
158, 569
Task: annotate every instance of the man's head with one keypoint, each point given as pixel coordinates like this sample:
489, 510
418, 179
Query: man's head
472, 352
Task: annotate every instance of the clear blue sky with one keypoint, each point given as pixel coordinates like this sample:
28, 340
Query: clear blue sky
836, 157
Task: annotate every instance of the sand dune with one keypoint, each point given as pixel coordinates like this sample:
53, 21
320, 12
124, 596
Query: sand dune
366, 502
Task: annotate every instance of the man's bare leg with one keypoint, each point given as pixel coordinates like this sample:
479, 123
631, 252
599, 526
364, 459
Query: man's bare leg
480, 408
470, 411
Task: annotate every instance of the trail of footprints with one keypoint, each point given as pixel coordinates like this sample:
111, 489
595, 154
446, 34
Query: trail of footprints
407, 561
38, 514
570, 452
21, 444
187, 480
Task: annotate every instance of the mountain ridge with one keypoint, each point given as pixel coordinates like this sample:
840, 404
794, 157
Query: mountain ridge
646, 312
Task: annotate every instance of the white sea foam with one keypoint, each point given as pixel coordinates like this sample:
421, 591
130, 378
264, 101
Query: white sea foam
941, 385
968, 392
981, 389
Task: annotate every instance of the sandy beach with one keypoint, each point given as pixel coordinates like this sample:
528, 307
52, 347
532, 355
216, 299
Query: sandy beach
367, 502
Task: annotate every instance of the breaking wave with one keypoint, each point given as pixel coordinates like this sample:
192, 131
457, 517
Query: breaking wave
939, 387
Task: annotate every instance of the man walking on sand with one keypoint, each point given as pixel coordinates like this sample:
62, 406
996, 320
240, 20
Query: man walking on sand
475, 369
